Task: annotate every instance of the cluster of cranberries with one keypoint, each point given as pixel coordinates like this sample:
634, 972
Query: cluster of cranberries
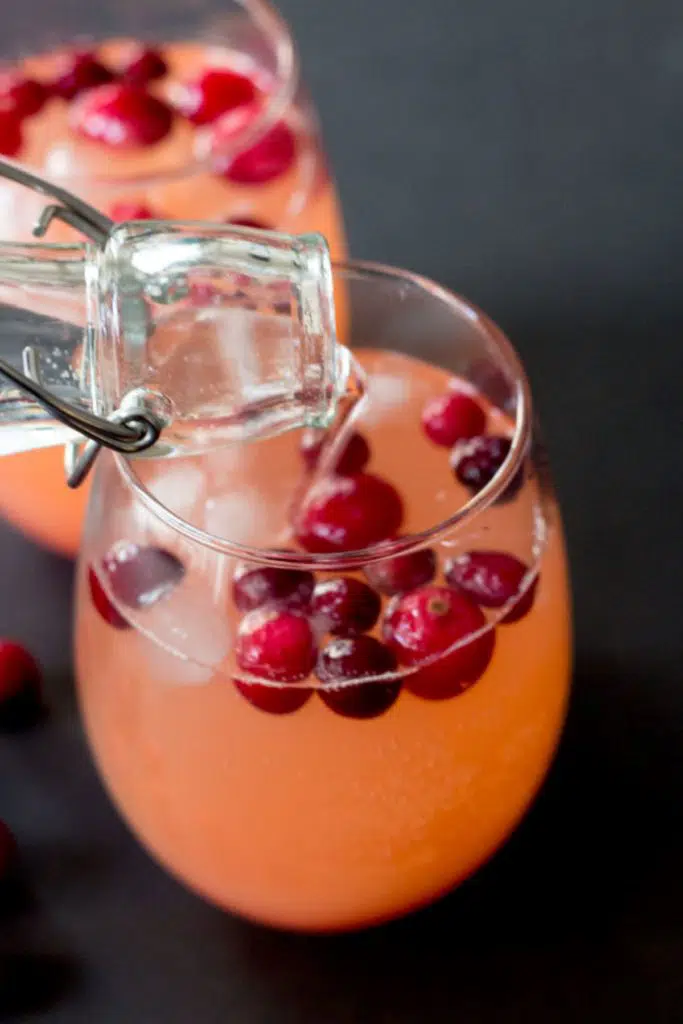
457, 421
115, 107
294, 625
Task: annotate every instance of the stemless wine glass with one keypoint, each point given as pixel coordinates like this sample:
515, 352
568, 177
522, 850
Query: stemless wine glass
322, 701
244, 147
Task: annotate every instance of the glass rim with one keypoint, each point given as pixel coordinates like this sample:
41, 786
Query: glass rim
286, 77
351, 560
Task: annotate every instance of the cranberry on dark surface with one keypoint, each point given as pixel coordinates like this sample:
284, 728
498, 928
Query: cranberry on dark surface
254, 586
476, 462
26, 96
402, 573
80, 71
143, 64
140, 576
425, 624
347, 513
122, 116
11, 137
20, 687
353, 457
278, 646
344, 604
492, 578
449, 418
216, 92
268, 159
357, 658
130, 210
8, 850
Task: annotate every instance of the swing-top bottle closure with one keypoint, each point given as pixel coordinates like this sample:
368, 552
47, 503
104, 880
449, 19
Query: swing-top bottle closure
161, 337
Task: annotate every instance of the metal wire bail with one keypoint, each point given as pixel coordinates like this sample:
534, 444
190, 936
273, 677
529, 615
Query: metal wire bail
130, 430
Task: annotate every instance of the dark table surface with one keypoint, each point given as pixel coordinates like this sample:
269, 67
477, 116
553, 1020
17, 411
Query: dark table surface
531, 156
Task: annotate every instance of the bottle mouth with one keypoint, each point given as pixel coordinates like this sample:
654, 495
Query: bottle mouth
155, 167
504, 478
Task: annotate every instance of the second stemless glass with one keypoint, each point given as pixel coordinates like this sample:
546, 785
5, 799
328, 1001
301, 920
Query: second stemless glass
266, 169
329, 758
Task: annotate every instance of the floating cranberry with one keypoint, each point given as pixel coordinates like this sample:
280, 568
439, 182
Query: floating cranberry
80, 71
10, 132
254, 586
141, 576
130, 210
476, 462
344, 605
143, 64
277, 646
353, 457
449, 418
216, 92
102, 603
276, 699
347, 513
402, 573
492, 578
266, 160
26, 96
20, 687
357, 658
249, 222
424, 625
122, 116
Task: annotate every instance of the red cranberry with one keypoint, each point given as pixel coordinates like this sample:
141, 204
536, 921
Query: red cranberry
254, 586
122, 116
353, 458
25, 96
424, 625
492, 578
20, 687
140, 576
143, 64
249, 222
402, 573
10, 132
267, 159
357, 657
475, 462
452, 417
130, 210
276, 699
214, 93
347, 513
343, 605
102, 603
81, 71
8, 850
276, 645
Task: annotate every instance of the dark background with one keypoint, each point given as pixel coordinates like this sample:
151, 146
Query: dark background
531, 156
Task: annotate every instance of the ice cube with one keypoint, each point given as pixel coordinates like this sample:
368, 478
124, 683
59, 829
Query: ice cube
386, 394
179, 487
240, 517
188, 634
